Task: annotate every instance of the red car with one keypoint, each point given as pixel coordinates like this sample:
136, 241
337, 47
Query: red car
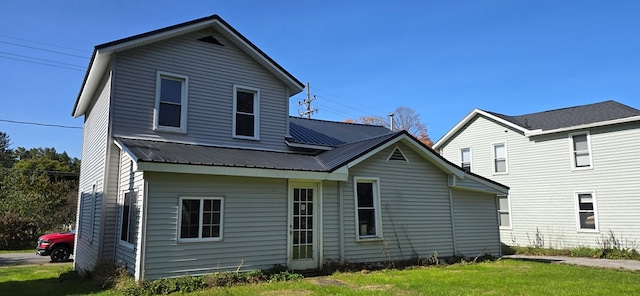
59, 246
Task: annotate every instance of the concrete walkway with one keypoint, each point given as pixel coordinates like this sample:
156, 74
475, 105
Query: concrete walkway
583, 261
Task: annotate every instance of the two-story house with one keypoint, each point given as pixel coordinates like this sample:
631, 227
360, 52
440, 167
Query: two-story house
192, 165
571, 172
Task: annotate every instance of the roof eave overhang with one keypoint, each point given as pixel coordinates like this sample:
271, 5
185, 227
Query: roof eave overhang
468, 118
540, 132
103, 52
338, 175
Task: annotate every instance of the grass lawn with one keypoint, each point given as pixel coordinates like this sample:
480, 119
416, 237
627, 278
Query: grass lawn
18, 251
504, 277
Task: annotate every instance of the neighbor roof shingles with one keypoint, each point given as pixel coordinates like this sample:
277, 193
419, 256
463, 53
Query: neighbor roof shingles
572, 116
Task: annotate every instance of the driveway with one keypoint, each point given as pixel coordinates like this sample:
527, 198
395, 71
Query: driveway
25, 259
583, 261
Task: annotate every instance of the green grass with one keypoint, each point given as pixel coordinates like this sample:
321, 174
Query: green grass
503, 277
18, 251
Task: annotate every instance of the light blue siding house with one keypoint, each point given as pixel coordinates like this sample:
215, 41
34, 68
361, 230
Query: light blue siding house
571, 172
192, 165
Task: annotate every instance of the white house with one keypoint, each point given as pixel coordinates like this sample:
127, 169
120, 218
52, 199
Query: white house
192, 165
571, 172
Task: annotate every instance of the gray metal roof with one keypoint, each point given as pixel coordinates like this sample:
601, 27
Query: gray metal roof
330, 133
572, 116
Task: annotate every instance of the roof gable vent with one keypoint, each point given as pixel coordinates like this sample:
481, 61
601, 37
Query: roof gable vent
397, 155
210, 39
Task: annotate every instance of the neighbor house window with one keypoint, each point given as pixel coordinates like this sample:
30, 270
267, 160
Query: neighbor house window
465, 158
581, 151
499, 158
128, 218
200, 219
246, 115
367, 198
586, 206
504, 218
171, 102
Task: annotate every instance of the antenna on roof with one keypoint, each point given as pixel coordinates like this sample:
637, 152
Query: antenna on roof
307, 102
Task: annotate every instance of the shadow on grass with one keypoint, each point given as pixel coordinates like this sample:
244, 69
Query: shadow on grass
541, 260
68, 283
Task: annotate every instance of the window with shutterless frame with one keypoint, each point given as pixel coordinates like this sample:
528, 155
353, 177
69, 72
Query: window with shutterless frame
465, 158
246, 112
368, 212
586, 214
580, 151
500, 164
171, 102
201, 219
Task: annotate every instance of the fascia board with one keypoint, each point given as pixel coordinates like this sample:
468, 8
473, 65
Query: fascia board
242, 172
583, 126
96, 70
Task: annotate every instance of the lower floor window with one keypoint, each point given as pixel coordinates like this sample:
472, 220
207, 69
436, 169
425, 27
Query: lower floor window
368, 208
503, 211
128, 218
200, 219
586, 211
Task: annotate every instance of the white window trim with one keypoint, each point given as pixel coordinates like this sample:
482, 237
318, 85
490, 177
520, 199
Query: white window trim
256, 111
121, 242
572, 153
577, 210
493, 158
183, 103
199, 239
376, 203
470, 157
508, 211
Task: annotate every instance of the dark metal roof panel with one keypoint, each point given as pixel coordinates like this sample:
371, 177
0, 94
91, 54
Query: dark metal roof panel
571, 116
177, 153
343, 154
330, 133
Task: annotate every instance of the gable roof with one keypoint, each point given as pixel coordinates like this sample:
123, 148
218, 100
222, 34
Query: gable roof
330, 133
553, 121
102, 53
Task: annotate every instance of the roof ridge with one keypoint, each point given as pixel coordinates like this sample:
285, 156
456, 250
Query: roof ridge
371, 138
341, 122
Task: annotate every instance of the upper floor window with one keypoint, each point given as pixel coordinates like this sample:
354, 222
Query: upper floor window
499, 158
586, 211
465, 158
246, 112
580, 151
171, 102
367, 195
200, 219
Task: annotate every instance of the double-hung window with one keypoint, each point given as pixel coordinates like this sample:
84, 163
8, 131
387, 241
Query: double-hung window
465, 158
500, 158
586, 211
171, 102
504, 217
200, 219
128, 217
580, 150
246, 112
368, 216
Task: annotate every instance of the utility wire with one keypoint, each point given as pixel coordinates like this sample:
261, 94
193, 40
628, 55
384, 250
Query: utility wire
42, 43
39, 59
40, 124
40, 63
47, 50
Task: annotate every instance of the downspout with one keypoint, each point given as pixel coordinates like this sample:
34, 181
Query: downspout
340, 223
453, 223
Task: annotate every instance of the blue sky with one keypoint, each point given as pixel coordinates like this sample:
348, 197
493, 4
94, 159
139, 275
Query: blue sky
441, 58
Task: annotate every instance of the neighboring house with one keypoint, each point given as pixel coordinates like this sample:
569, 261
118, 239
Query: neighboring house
192, 165
571, 172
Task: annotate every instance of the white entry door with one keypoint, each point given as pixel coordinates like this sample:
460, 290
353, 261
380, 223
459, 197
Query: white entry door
303, 226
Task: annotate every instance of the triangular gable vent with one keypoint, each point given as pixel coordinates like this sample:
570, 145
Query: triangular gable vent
397, 155
210, 39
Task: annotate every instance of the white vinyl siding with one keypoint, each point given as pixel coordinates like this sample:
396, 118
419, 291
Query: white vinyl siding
212, 73
129, 181
367, 201
476, 225
171, 102
542, 184
500, 163
580, 151
586, 213
246, 112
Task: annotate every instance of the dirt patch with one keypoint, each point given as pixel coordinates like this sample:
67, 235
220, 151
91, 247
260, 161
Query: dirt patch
328, 282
